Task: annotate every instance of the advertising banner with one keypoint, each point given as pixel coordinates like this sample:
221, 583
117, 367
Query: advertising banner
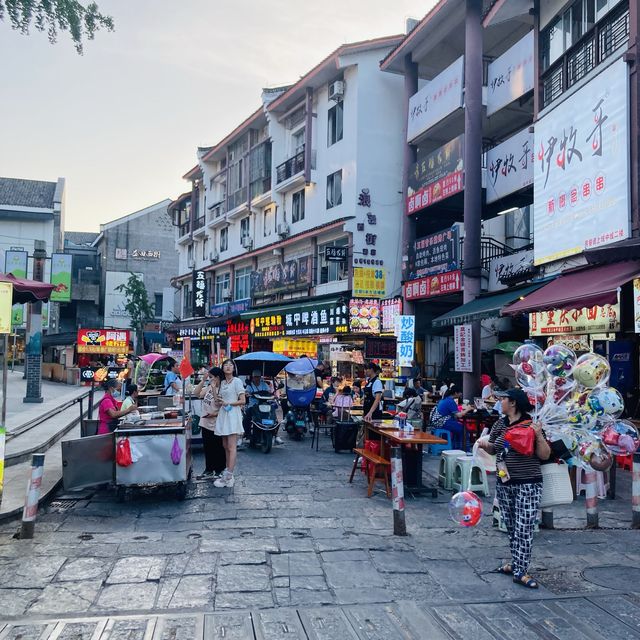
436, 100
510, 75
230, 308
433, 254
462, 348
510, 166
436, 285
636, 304
509, 270
322, 318
364, 316
286, 276
6, 295
267, 326
61, 277
390, 308
15, 263
436, 176
385, 348
238, 333
103, 341
581, 175
406, 336
199, 294
605, 319
369, 282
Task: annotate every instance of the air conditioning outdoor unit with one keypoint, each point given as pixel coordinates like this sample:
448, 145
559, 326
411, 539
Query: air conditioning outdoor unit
246, 242
336, 90
283, 229
214, 256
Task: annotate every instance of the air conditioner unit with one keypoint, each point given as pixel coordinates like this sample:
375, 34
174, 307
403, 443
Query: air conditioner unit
246, 242
214, 256
191, 264
336, 90
283, 229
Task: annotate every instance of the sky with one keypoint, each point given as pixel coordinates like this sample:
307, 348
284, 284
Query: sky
122, 122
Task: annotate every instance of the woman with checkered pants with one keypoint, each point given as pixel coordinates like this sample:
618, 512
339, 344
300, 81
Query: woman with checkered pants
519, 482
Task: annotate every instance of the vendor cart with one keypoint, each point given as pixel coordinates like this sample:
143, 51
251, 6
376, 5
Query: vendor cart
160, 454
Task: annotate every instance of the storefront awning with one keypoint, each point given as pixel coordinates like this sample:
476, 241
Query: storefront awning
486, 306
584, 288
297, 305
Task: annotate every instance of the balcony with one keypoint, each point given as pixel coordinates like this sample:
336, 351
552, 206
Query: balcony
199, 226
237, 205
260, 191
217, 215
290, 173
184, 231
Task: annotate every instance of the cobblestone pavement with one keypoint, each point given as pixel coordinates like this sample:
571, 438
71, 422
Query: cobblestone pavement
293, 551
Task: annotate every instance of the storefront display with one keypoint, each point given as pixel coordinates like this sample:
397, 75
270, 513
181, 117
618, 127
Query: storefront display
436, 285
295, 348
238, 334
364, 316
596, 319
103, 341
389, 309
436, 253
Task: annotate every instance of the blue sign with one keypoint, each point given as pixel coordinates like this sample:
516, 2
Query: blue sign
228, 309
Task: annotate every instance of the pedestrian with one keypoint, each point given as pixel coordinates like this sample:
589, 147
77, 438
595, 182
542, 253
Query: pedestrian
329, 394
320, 372
372, 404
109, 410
256, 384
421, 391
412, 406
214, 453
519, 485
416, 370
487, 383
356, 390
131, 400
230, 400
172, 382
445, 416
342, 404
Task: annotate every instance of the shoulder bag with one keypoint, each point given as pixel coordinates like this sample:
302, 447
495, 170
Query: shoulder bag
556, 485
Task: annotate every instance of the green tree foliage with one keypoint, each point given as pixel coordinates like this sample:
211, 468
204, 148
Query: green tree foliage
54, 16
137, 306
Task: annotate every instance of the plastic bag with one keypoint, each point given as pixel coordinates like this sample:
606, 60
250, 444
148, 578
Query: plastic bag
374, 447
176, 451
521, 439
123, 452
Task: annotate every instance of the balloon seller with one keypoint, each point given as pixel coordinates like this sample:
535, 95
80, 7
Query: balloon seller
519, 446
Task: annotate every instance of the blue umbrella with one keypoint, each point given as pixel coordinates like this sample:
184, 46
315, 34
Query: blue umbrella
301, 366
271, 364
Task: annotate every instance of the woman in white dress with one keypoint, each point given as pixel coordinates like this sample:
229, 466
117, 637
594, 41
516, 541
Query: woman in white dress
230, 399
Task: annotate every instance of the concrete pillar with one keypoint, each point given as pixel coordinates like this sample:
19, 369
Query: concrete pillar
473, 178
632, 58
33, 351
308, 129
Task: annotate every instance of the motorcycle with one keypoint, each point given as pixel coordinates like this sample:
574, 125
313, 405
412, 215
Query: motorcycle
301, 391
264, 425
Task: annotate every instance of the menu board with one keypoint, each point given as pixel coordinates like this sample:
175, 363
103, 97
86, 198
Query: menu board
364, 315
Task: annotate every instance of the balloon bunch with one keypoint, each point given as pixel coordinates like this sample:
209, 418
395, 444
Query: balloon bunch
571, 398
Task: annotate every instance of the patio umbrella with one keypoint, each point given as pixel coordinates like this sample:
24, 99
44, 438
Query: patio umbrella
271, 364
151, 358
27, 290
507, 347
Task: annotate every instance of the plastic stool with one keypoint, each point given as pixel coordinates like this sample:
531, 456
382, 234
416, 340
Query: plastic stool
437, 449
469, 475
625, 462
601, 483
447, 463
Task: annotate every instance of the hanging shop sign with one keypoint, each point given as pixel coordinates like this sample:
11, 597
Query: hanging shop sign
199, 294
295, 348
433, 254
605, 319
238, 333
406, 336
203, 332
364, 316
436, 176
509, 270
335, 254
463, 348
581, 181
6, 296
436, 285
322, 318
436, 100
285, 276
103, 341
511, 75
369, 282
385, 348
61, 277
636, 304
510, 166
267, 325
343, 352
230, 308
15, 263
390, 308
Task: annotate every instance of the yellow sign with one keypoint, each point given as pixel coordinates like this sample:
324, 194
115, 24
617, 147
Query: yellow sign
6, 296
369, 282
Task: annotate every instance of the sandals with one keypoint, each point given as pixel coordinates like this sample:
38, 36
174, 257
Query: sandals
526, 581
505, 569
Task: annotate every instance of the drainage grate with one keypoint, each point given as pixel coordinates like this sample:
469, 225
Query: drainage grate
62, 505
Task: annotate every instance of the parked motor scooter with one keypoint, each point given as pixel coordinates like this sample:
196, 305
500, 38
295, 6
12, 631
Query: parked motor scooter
264, 425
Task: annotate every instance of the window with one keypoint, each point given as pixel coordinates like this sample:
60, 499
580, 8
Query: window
157, 305
331, 271
190, 253
244, 228
267, 222
243, 283
224, 239
334, 189
297, 206
205, 248
334, 124
186, 302
297, 141
222, 287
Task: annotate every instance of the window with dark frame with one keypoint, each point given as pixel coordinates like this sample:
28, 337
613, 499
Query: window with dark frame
297, 206
331, 271
157, 305
224, 239
334, 124
244, 227
334, 189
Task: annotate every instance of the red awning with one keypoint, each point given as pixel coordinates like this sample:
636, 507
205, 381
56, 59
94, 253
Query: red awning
27, 290
585, 288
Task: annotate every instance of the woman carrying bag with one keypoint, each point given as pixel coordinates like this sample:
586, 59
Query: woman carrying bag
519, 446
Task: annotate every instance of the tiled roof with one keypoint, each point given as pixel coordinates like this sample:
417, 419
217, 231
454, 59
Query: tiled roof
80, 237
16, 192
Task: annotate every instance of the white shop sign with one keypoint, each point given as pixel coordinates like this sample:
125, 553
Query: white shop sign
581, 175
436, 100
508, 268
405, 331
463, 348
510, 166
510, 75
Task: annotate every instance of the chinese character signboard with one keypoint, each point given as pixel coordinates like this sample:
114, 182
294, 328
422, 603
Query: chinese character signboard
509, 270
6, 296
385, 348
230, 308
202, 332
510, 75
321, 318
596, 319
15, 262
436, 285
462, 347
390, 308
145, 254
61, 277
285, 276
369, 282
436, 176
581, 175
510, 166
199, 294
364, 316
433, 254
437, 99
267, 325
238, 333
636, 304
104, 341
335, 254
406, 337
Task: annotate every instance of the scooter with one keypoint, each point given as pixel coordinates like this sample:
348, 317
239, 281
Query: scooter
264, 425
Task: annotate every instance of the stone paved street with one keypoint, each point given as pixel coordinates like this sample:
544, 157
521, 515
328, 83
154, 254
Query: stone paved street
293, 551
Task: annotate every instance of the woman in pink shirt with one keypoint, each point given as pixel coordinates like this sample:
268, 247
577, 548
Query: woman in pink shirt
109, 409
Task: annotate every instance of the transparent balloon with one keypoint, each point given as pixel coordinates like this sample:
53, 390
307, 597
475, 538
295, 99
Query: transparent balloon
528, 352
606, 401
465, 509
591, 370
559, 360
531, 375
620, 437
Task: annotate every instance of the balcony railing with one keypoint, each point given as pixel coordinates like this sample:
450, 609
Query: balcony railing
260, 187
184, 228
290, 167
199, 223
218, 209
237, 198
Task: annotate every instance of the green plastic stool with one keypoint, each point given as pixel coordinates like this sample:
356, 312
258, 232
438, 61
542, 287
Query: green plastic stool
447, 463
470, 475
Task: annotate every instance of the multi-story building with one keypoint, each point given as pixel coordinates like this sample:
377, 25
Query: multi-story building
290, 210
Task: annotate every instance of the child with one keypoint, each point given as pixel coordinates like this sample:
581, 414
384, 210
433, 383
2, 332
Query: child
342, 404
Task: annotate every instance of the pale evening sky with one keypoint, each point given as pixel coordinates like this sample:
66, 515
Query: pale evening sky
122, 122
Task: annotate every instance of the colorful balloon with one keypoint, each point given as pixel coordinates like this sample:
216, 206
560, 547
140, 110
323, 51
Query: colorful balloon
528, 352
591, 370
620, 437
606, 401
559, 360
465, 509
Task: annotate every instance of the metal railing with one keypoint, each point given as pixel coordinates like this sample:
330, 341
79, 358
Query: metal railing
199, 223
219, 209
237, 198
290, 167
490, 249
184, 228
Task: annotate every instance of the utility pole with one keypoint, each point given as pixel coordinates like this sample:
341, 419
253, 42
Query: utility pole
33, 352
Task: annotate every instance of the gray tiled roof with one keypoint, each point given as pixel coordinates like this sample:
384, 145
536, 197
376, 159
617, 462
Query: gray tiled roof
17, 192
80, 237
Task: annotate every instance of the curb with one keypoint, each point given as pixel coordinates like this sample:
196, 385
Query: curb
11, 515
